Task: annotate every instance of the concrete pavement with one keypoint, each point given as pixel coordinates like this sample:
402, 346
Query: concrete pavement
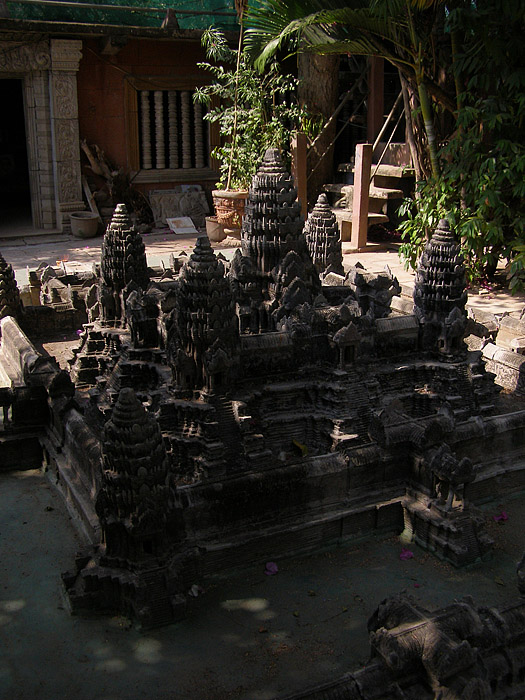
247, 637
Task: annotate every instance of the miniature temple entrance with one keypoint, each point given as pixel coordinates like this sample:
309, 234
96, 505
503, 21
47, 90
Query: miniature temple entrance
14, 170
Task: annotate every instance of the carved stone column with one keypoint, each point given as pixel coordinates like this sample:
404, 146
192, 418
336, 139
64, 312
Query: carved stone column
186, 129
65, 57
146, 130
160, 158
173, 130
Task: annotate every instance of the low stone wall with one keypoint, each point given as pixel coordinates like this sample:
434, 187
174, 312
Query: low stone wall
509, 367
18, 356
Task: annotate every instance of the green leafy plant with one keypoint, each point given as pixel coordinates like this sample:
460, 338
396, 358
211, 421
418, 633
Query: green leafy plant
482, 184
254, 111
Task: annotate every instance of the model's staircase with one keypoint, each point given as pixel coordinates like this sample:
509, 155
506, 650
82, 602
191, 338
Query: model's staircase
391, 180
159, 610
229, 432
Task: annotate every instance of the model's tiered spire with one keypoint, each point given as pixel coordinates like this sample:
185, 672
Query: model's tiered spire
273, 215
440, 292
322, 237
206, 335
134, 501
123, 262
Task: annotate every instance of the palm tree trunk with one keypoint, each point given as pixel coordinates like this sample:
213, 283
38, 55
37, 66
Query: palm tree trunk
428, 119
410, 135
424, 101
318, 91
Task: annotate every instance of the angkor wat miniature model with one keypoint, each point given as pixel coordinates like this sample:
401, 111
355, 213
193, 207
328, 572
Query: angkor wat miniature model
228, 413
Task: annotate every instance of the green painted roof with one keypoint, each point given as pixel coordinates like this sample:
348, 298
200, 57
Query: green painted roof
194, 14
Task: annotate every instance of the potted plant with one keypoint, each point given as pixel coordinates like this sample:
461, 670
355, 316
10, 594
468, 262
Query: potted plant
254, 112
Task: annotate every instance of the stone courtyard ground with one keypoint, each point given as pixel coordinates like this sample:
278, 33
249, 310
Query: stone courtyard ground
249, 636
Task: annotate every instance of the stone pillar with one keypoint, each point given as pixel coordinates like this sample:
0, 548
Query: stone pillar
173, 131
65, 57
145, 127
186, 129
160, 158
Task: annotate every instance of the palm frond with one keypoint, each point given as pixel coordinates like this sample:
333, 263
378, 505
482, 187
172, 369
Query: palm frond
337, 29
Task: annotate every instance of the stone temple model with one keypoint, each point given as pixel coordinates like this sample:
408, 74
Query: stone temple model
9, 294
224, 413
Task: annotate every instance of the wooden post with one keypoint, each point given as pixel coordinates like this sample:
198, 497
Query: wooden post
376, 99
299, 153
363, 165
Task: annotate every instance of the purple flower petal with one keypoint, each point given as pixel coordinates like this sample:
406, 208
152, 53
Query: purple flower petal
501, 517
271, 568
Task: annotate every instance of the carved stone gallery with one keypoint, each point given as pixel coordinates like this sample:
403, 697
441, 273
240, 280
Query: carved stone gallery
219, 413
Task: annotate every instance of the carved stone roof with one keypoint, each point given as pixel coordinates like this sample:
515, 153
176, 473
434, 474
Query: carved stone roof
440, 280
322, 237
134, 460
272, 209
123, 254
205, 308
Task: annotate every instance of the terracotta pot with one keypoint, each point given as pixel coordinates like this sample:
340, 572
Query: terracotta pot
84, 224
214, 230
229, 207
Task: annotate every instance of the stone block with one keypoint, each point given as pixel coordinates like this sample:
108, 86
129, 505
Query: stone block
508, 366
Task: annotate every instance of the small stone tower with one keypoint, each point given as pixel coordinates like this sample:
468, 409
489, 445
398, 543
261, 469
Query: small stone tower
123, 263
272, 220
9, 294
440, 293
134, 571
136, 496
205, 340
322, 237
275, 273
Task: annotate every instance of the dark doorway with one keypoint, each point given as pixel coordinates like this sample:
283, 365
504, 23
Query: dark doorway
15, 195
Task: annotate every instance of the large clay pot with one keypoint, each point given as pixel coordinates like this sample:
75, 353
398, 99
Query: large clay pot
84, 224
214, 230
229, 207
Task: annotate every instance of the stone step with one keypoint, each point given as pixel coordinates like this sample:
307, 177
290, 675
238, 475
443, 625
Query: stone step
388, 176
382, 200
383, 193
344, 221
383, 170
346, 215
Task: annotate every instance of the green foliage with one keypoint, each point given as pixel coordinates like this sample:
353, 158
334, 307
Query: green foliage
482, 185
266, 109
434, 201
